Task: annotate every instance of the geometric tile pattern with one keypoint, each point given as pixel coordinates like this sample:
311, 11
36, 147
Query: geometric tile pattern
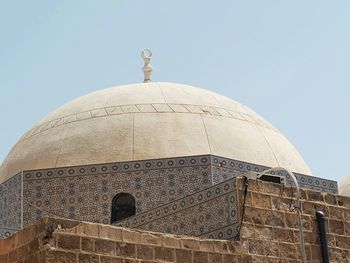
86, 192
224, 168
10, 206
203, 214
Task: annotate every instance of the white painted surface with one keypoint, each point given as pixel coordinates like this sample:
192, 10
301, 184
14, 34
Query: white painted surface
150, 120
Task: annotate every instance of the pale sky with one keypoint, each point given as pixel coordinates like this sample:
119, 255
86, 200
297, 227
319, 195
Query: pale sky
287, 60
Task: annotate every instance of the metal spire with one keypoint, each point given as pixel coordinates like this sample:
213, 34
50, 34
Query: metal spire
146, 55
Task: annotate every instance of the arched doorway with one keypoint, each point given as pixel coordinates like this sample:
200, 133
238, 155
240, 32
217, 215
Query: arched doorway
123, 206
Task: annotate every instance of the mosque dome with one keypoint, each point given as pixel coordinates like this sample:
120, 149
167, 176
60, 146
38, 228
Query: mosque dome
344, 186
149, 121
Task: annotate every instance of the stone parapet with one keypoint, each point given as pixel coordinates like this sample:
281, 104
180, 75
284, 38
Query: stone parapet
270, 225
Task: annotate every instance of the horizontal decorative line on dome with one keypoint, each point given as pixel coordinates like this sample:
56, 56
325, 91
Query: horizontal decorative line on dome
146, 108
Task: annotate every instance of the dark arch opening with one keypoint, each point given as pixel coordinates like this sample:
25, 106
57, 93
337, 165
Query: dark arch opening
123, 206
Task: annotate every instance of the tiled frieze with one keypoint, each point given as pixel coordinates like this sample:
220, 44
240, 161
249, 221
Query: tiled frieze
10, 206
86, 192
224, 169
210, 213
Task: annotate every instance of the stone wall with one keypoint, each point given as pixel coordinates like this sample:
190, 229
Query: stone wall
270, 227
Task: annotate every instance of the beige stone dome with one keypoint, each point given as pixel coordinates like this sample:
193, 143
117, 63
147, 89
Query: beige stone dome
150, 120
344, 186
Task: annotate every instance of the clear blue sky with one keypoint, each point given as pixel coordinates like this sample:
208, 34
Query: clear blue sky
287, 60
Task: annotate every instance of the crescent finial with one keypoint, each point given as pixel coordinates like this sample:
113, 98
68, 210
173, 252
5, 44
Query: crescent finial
146, 56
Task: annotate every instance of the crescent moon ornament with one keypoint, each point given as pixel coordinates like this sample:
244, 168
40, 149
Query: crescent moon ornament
146, 56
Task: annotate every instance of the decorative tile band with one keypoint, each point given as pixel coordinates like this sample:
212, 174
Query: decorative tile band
210, 213
224, 168
86, 192
11, 182
119, 167
181, 204
10, 206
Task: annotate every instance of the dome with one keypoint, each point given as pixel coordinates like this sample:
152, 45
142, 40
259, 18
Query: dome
148, 121
344, 186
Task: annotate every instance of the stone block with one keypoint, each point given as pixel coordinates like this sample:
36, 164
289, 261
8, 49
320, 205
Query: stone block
215, 258
284, 235
12, 256
221, 246
235, 247
274, 218
4, 257
127, 250
261, 200
55, 256
247, 231
343, 242
87, 244
8, 244
315, 196
281, 203
184, 256
248, 198
335, 212
200, 257
256, 247
228, 258
309, 236
106, 247
245, 258
291, 220
336, 226
109, 232
34, 245
87, 229
131, 236
263, 232
129, 260
165, 254
344, 201
25, 235
69, 242
171, 241
206, 245
190, 243
151, 239
347, 228
338, 255
269, 188
22, 252
253, 215
272, 249
144, 252
346, 214
287, 250
330, 199
87, 258
107, 259
331, 240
